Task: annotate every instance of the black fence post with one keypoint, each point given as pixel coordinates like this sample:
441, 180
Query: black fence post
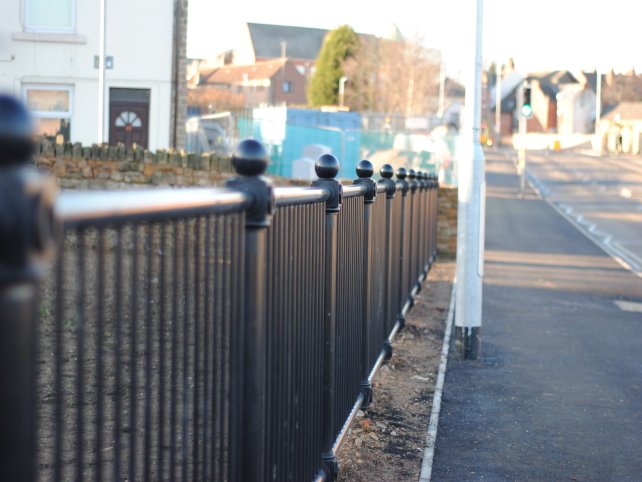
250, 161
425, 227
386, 173
27, 237
412, 232
434, 190
401, 255
365, 170
327, 167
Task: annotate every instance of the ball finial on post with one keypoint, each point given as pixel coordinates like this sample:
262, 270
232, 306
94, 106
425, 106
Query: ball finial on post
386, 171
365, 169
250, 158
402, 173
327, 166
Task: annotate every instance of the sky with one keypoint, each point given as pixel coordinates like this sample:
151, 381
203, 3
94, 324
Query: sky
538, 35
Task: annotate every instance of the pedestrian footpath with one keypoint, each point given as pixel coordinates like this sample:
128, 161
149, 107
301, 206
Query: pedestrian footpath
557, 393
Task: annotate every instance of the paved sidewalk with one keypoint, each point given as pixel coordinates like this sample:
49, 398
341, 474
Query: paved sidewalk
557, 394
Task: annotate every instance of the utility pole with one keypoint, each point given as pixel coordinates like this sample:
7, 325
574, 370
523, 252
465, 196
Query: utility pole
525, 113
471, 206
442, 89
498, 104
598, 110
101, 72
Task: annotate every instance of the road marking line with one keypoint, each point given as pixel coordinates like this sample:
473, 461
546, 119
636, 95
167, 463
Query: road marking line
431, 438
631, 306
622, 256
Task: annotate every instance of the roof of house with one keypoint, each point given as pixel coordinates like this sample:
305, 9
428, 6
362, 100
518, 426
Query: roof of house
301, 42
235, 74
625, 111
550, 82
454, 88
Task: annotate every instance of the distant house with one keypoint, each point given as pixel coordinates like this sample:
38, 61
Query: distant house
260, 42
545, 87
510, 82
575, 109
622, 128
268, 82
48, 57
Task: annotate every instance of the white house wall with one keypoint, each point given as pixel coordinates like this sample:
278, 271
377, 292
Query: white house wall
139, 37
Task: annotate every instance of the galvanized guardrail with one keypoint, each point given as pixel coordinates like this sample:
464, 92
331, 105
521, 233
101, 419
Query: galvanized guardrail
203, 334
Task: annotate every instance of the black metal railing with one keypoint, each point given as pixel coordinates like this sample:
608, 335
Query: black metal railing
202, 334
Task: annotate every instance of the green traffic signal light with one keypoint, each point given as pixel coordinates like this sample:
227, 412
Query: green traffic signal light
527, 108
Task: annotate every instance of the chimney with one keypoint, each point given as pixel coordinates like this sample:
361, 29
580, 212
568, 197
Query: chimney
610, 77
284, 48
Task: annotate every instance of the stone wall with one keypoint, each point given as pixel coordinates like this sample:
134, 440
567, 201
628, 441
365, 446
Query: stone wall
447, 222
118, 167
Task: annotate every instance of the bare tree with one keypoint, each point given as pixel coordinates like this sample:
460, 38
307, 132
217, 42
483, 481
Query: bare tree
394, 76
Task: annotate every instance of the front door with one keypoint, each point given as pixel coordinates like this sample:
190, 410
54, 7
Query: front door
129, 116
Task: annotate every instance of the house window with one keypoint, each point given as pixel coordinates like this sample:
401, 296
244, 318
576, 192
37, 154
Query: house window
52, 106
50, 15
288, 87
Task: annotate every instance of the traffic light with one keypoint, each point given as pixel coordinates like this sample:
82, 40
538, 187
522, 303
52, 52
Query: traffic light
527, 108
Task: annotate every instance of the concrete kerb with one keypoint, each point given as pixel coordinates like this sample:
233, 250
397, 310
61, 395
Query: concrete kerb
431, 438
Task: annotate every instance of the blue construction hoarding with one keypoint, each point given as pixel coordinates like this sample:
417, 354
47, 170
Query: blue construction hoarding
292, 134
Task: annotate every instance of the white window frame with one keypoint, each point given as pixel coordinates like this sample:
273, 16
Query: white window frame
29, 28
56, 87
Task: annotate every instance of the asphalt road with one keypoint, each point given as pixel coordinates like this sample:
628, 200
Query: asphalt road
602, 195
557, 393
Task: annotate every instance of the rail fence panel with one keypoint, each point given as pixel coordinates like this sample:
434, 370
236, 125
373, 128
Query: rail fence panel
377, 279
136, 348
295, 275
350, 258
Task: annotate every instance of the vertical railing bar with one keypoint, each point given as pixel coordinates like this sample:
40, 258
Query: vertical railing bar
100, 326
282, 317
80, 355
58, 420
238, 313
302, 355
133, 386
161, 350
271, 353
174, 380
207, 469
317, 322
227, 339
308, 257
198, 227
148, 353
295, 328
303, 350
185, 363
217, 356
289, 329
119, 360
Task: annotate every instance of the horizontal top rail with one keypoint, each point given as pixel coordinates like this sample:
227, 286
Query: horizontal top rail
354, 190
381, 188
289, 196
95, 208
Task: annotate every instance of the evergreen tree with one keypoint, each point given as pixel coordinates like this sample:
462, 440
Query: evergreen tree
339, 45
